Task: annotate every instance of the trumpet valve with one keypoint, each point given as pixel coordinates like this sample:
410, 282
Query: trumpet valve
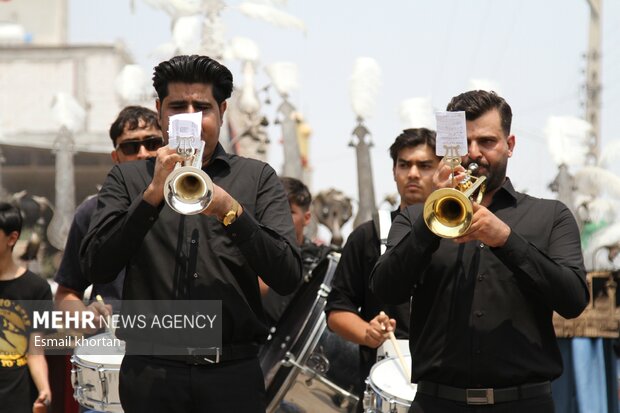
465, 185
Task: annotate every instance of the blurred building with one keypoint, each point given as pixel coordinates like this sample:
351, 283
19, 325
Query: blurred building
36, 64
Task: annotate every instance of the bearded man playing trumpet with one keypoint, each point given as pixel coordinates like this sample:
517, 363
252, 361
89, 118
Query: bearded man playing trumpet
481, 332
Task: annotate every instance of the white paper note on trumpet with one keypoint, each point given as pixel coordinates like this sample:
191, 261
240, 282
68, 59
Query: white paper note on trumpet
186, 127
451, 133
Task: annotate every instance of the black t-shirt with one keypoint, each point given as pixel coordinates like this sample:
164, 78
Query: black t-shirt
70, 273
275, 304
17, 391
351, 289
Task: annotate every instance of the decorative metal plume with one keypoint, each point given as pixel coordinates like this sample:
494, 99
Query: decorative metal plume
364, 85
133, 85
567, 139
417, 113
283, 76
67, 112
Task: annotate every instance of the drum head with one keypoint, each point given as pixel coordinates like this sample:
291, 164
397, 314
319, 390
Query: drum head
288, 328
388, 379
303, 333
97, 350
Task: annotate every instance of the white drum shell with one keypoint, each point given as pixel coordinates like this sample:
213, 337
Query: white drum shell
95, 379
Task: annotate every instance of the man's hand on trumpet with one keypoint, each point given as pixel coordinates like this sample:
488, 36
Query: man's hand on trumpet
443, 176
221, 203
486, 227
165, 162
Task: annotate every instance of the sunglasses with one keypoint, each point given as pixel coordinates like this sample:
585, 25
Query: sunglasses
151, 144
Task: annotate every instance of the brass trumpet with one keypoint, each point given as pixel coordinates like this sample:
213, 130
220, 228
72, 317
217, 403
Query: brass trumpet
448, 211
188, 190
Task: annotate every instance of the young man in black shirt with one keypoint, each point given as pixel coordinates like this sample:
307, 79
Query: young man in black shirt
246, 232
353, 311
299, 199
24, 385
481, 332
135, 135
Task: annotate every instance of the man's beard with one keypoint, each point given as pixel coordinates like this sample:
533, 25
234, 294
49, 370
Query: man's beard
495, 175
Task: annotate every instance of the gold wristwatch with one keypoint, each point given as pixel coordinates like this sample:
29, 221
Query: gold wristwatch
232, 214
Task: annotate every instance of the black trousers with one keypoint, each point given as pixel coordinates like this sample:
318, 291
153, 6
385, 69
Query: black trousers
429, 404
150, 384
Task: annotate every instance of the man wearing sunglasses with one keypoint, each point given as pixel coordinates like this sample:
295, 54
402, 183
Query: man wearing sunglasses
138, 144
135, 135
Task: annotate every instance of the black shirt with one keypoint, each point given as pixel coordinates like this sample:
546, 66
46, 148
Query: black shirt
70, 273
275, 304
171, 256
351, 290
17, 391
482, 317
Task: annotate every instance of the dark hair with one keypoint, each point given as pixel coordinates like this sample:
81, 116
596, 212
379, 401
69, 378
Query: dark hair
10, 218
296, 192
410, 138
193, 69
130, 118
476, 103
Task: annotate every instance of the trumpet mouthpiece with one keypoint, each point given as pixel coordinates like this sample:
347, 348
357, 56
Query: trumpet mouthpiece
473, 167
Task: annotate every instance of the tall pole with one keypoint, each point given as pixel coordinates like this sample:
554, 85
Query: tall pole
365, 185
64, 17
64, 149
292, 158
593, 79
564, 186
3, 192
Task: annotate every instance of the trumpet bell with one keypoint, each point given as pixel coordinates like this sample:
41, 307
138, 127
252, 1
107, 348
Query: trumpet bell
188, 190
448, 213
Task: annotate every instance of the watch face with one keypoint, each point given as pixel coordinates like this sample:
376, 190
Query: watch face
229, 218
231, 215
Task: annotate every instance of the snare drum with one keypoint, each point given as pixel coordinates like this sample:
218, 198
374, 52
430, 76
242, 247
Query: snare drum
387, 388
94, 376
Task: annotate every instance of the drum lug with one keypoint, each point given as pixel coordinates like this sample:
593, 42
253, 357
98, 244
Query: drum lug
74, 376
289, 360
324, 291
101, 370
80, 392
393, 406
369, 399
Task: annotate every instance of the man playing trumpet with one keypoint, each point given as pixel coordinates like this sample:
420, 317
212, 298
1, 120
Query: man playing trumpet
481, 332
245, 231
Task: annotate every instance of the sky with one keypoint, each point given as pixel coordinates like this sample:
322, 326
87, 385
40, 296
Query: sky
532, 50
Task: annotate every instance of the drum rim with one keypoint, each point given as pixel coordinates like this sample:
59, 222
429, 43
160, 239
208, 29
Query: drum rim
97, 404
381, 392
76, 359
80, 356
